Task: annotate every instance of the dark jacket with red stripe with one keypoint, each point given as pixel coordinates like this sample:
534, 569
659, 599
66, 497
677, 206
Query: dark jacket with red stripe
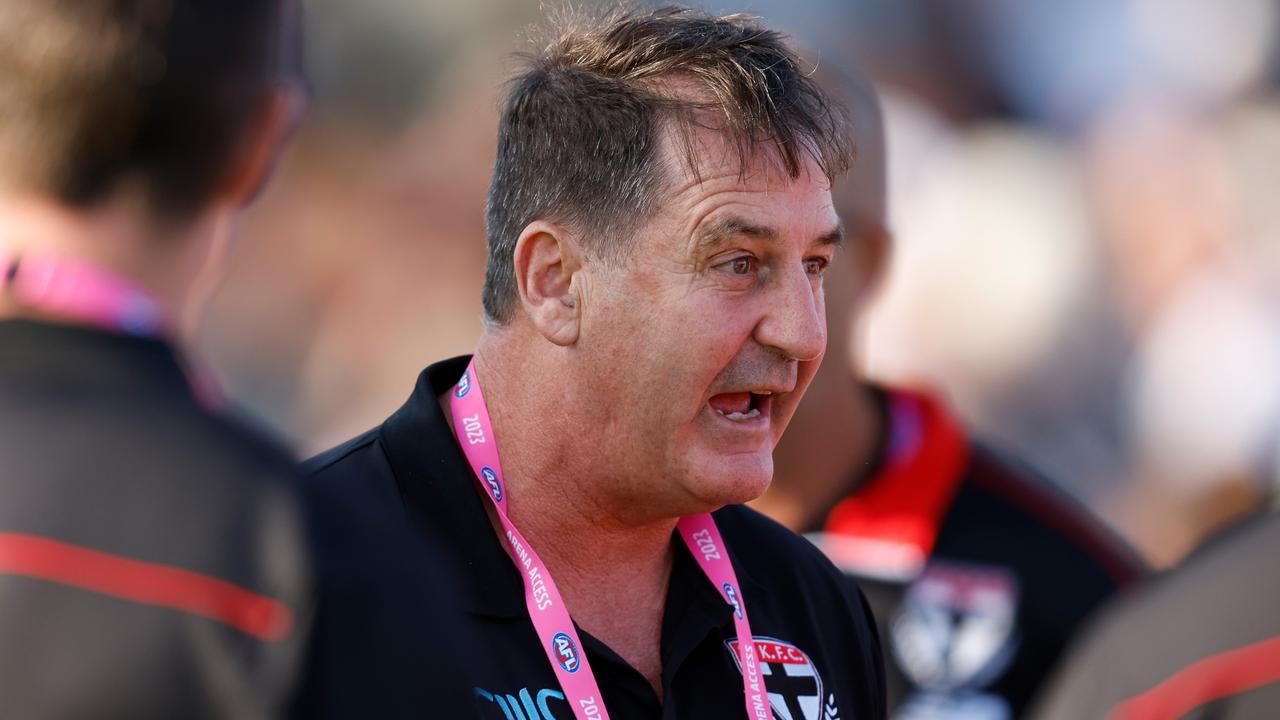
978, 571
152, 555
1202, 641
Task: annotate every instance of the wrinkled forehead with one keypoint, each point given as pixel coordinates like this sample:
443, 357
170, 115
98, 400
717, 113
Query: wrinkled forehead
699, 153
710, 193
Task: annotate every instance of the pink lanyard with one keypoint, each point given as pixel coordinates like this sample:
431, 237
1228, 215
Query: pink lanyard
546, 609
83, 293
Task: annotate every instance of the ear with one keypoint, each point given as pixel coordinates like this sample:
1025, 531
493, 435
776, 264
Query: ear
546, 261
274, 121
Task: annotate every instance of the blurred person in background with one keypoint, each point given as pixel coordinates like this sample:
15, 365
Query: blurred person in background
1194, 249
978, 570
659, 222
153, 560
1201, 641
1181, 196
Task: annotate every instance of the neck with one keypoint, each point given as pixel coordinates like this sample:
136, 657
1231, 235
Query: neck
831, 441
563, 507
555, 482
116, 238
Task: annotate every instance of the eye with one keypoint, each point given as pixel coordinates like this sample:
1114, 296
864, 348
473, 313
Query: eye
815, 266
744, 265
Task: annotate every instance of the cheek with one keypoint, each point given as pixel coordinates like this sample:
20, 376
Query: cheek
715, 336
784, 411
683, 359
647, 362
660, 354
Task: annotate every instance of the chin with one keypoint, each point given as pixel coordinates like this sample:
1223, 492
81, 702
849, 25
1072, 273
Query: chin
731, 479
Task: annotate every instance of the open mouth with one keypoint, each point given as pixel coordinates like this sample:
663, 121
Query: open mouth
742, 406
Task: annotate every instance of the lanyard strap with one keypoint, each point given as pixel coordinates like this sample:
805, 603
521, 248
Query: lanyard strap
81, 292
702, 536
86, 294
550, 619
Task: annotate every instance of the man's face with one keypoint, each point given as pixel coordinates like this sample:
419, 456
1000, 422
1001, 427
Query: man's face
703, 340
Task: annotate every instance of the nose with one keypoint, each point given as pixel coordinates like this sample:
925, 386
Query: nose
795, 321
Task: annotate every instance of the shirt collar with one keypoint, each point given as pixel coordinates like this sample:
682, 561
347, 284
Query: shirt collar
80, 356
435, 482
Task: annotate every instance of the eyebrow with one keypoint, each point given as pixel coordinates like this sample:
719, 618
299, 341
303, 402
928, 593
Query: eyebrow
729, 227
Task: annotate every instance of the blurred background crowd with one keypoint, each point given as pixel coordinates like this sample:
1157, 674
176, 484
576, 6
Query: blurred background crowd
1084, 202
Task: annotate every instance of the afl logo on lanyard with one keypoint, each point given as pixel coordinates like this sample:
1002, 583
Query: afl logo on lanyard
732, 594
495, 487
464, 385
566, 652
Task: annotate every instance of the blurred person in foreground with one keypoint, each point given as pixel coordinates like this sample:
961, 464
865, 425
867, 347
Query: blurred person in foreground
1200, 641
153, 560
978, 571
659, 223
156, 557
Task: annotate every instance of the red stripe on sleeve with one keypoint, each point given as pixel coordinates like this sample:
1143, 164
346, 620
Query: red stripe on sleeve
1204, 681
144, 582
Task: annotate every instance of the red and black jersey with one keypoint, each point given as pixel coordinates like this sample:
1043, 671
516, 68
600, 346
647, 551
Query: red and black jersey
158, 560
979, 571
153, 558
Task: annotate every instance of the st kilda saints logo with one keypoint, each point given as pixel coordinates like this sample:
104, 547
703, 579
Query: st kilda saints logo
955, 634
793, 682
565, 652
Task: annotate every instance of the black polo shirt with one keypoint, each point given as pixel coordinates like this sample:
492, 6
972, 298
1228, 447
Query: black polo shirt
814, 632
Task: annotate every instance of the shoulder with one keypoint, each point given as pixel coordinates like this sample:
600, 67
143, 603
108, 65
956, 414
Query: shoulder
354, 471
1231, 574
341, 458
238, 474
1200, 618
238, 438
219, 467
1052, 517
353, 477
219, 460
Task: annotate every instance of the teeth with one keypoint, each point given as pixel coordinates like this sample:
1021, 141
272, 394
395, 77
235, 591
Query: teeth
752, 413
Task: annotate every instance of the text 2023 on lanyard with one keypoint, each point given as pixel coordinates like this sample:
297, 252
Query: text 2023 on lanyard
550, 619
